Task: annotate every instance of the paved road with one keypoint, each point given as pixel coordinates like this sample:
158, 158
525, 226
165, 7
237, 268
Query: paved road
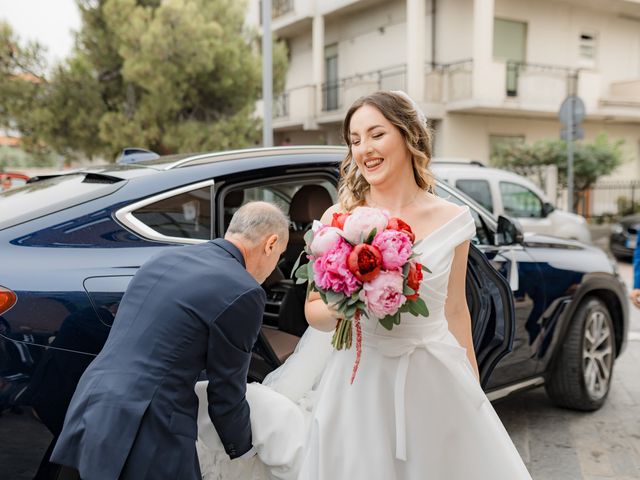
559, 444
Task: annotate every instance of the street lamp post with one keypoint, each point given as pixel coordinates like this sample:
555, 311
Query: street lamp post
267, 75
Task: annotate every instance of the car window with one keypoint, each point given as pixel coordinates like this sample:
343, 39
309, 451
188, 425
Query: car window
483, 235
280, 192
519, 201
187, 215
479, 190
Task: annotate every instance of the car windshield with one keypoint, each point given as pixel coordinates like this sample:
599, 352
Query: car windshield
51, 195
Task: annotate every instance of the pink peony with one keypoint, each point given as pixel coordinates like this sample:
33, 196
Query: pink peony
330, 271
395, 248
362, 221
324, 239
383, 295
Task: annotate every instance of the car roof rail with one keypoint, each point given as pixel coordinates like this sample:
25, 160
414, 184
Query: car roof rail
134, 154
457, 161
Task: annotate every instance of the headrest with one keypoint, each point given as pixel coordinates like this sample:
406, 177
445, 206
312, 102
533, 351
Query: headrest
309, 203
234, 199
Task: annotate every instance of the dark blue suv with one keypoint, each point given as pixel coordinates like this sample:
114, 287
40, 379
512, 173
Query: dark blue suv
545, 310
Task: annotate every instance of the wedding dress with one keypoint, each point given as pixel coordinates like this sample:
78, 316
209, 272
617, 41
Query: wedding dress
415, 410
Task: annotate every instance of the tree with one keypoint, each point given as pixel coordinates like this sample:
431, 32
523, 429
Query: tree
172, 75
590, 160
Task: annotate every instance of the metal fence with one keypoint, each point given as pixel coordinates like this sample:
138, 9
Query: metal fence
605, 201
338, 93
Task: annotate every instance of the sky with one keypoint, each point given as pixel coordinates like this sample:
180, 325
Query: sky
49, 22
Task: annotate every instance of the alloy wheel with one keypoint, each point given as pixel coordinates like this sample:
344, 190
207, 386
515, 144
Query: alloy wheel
597, 354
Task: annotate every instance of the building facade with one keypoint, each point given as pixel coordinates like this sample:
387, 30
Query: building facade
484, 71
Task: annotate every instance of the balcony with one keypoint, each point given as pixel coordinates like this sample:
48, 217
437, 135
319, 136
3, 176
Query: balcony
278, 8
340, 94
623, 99
510, 87
281, 105
295, 108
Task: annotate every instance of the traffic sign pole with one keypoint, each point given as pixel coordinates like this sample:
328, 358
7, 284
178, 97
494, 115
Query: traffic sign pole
571, 114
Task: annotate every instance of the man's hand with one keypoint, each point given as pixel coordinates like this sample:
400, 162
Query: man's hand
635, 297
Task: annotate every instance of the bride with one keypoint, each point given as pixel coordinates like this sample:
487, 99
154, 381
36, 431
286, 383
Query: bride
416, 409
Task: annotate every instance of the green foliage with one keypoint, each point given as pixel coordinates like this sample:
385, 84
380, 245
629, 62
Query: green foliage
21, 74
591, 160
171, 76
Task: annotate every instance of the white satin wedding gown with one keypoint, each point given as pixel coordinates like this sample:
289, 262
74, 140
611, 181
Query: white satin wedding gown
414, 412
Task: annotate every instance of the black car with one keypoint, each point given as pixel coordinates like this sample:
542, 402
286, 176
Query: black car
545, 310
624, 236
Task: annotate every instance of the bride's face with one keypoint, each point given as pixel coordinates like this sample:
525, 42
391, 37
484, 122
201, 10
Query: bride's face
377, 146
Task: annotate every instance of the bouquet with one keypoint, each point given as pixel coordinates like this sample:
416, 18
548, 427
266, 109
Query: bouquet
363, 264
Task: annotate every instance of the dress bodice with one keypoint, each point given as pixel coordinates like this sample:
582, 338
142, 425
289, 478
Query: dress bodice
436, 253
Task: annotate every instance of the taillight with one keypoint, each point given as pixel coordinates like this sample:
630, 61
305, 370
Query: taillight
7, 299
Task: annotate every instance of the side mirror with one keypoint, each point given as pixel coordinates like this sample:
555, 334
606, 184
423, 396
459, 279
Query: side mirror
547, 208
509, 231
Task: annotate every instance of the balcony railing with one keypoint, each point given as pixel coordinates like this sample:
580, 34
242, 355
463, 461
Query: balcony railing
530, 77
278, 8
345, 90
281, 105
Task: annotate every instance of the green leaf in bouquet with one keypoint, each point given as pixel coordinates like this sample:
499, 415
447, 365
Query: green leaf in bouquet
302, 274
308, 237
294, 270
405, 269
323, 296
424, 268
371, 236
352, 301
396, 318
406, 307
350, 311
310, 272
420, 307
407, 290
334, 298
387, 322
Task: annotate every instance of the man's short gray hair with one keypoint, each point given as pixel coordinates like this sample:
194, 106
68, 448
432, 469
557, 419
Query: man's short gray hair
256, 220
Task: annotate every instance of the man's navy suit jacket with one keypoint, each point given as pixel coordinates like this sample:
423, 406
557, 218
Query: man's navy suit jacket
133, 414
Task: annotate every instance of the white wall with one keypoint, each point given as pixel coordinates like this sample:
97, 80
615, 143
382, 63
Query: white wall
467, 135
373, 39
553, 31
454, 30
300, 62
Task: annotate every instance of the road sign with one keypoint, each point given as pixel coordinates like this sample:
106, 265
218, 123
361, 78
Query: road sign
578, 134
566, 114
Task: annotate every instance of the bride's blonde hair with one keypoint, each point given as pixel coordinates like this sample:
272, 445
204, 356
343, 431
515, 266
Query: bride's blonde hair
417, 136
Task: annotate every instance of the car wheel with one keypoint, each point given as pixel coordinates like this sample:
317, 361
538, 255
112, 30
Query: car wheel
582, 373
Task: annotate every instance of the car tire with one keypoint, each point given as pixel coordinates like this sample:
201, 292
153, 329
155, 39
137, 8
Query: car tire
581, 376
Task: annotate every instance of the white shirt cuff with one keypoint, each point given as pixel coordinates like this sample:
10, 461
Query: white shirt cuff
250, 453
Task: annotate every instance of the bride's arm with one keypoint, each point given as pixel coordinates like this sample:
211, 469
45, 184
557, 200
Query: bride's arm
456, 308
318, 314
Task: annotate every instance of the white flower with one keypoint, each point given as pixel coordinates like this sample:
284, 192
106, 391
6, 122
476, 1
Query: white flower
362, 221
323, 240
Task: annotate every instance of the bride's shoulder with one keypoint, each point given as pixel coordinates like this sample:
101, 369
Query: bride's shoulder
327, 216
445, 209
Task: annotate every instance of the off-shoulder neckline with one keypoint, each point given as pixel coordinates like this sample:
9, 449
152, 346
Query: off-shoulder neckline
465, 208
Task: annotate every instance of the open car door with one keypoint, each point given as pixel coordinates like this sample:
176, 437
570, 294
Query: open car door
492, 312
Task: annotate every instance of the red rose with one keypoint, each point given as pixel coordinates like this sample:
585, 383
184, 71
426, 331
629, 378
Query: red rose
413, 279
365, 262
401, 226
338, 220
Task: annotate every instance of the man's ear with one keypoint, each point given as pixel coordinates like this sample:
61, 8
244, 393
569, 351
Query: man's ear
271, 243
